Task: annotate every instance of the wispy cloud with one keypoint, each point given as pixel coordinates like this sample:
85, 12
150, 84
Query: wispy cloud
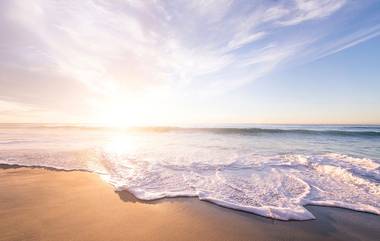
306, 10
242, 39
350, 41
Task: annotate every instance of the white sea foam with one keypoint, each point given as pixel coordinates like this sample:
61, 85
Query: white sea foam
261, 174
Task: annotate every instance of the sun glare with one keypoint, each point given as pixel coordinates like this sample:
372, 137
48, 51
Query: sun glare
118, 113
120, 144
122, 110
117, 116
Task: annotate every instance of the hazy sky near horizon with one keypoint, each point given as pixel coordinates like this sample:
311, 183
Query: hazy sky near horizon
206, 61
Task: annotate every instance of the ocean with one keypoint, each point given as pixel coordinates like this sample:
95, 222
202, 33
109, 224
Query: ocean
269, 170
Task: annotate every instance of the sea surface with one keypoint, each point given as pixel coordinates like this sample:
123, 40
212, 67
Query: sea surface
269, 170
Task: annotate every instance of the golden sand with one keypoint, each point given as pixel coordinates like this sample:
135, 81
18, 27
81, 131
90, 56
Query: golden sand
41, 204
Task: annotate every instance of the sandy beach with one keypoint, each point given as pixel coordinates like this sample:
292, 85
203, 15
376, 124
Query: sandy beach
42, 204
171, 120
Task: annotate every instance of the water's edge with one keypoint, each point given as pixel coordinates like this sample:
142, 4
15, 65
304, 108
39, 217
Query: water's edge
4, 166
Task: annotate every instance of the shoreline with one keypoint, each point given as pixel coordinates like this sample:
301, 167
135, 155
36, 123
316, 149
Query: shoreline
41, 203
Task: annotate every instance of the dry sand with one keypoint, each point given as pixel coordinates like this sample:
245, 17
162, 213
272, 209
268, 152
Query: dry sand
41, 204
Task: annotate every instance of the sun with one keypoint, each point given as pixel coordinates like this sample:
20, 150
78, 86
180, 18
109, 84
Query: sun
117, 113
119, 116
123, 110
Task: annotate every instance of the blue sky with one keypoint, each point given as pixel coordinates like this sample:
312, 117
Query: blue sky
340, 88
167, 62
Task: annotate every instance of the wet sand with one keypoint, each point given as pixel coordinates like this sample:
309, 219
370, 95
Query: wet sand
43, 204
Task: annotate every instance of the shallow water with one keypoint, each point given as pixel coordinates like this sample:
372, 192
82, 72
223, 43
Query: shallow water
270, 170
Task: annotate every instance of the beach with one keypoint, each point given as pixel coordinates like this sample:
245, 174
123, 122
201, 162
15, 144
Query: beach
46, 204
189, 120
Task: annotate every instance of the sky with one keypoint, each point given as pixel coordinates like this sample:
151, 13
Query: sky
130, 62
